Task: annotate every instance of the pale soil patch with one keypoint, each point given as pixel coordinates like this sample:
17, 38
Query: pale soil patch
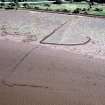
25, 25
31, 26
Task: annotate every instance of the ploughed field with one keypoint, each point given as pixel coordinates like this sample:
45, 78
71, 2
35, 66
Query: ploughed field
83, 35
38, 64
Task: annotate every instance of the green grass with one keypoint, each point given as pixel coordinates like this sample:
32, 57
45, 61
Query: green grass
82, 7
98, 13
70, 7
60, 7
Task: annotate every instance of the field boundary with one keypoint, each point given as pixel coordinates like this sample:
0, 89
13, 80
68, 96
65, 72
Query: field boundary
78, 14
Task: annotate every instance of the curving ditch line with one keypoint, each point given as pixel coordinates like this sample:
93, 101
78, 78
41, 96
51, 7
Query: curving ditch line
72, 44
53, 32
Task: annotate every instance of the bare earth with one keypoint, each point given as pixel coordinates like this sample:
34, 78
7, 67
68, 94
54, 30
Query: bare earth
32, 73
